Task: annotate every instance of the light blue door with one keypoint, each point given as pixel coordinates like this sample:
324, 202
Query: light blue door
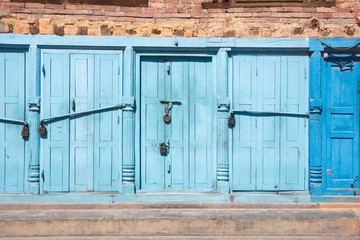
188, 163
269, 152
12, 88
81, 153
341, 131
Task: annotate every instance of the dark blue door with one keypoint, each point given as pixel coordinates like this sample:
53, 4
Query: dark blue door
341, 125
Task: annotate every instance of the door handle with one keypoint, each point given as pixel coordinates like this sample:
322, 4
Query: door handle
73, 104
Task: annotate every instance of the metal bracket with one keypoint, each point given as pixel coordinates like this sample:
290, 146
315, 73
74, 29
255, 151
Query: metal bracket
34, 104
128, 103
316, 110
223, 104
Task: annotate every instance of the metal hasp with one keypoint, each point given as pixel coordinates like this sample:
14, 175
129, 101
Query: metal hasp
25, 133
344, 66
167, 117
164, 148
42, 127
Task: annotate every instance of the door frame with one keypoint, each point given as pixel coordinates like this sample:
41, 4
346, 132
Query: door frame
139, 53
84, 50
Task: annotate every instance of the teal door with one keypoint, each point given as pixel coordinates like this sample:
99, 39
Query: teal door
341, 126
188, 161
269, 151
12, 106
80, 153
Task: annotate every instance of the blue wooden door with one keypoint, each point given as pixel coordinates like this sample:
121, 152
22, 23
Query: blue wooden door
188, 164
341, 131
12, 88
269, 152
81, 153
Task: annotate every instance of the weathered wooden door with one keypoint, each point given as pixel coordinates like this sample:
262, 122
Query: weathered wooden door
341, 126
269, 151
188, 162
12, 106
81, 153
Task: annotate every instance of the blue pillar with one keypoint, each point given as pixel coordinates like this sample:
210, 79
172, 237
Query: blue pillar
315, 127
128, 140
223, 104
33, 118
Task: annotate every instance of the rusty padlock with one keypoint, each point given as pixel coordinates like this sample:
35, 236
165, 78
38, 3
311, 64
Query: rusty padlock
42, 129
231, 120
25, 133
167, 118
163, 148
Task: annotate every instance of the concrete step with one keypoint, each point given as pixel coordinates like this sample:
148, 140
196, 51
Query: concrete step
170, 222
188, 238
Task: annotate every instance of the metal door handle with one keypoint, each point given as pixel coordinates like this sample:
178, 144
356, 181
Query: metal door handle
73, 104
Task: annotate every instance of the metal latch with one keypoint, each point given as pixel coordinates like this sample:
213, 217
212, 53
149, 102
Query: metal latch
167, 117
42, 128
25, 133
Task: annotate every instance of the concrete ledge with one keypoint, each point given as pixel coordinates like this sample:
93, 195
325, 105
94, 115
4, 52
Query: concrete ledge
181, 222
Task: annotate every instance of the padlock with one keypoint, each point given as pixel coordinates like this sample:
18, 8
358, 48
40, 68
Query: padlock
167, 118
163, 149
25, 133
231, 120
42, 129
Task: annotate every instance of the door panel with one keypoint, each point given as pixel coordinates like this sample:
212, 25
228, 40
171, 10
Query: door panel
81, 134
12, 80
55, 148
269, 151
106, 130
81, 153
244, 133
152, 91
342, 132
187, 164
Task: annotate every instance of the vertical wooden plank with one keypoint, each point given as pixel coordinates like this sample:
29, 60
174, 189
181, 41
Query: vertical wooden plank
293, 129
200, 79
268, 99
176, 132
55, 101
106, 134
12, 80
152, 129
81, 128
244, 132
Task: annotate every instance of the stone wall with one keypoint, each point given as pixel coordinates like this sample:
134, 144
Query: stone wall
180, 18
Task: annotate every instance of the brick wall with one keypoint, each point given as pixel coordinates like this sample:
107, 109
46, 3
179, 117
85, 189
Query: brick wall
180, 18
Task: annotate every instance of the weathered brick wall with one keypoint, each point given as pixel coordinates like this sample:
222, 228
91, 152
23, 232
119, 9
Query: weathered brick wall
180, 18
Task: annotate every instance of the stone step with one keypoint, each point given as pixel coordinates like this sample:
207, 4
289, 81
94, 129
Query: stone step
197, 222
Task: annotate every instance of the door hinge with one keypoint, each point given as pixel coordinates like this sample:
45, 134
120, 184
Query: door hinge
119, 70
305, 72
257, 72
43, 70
